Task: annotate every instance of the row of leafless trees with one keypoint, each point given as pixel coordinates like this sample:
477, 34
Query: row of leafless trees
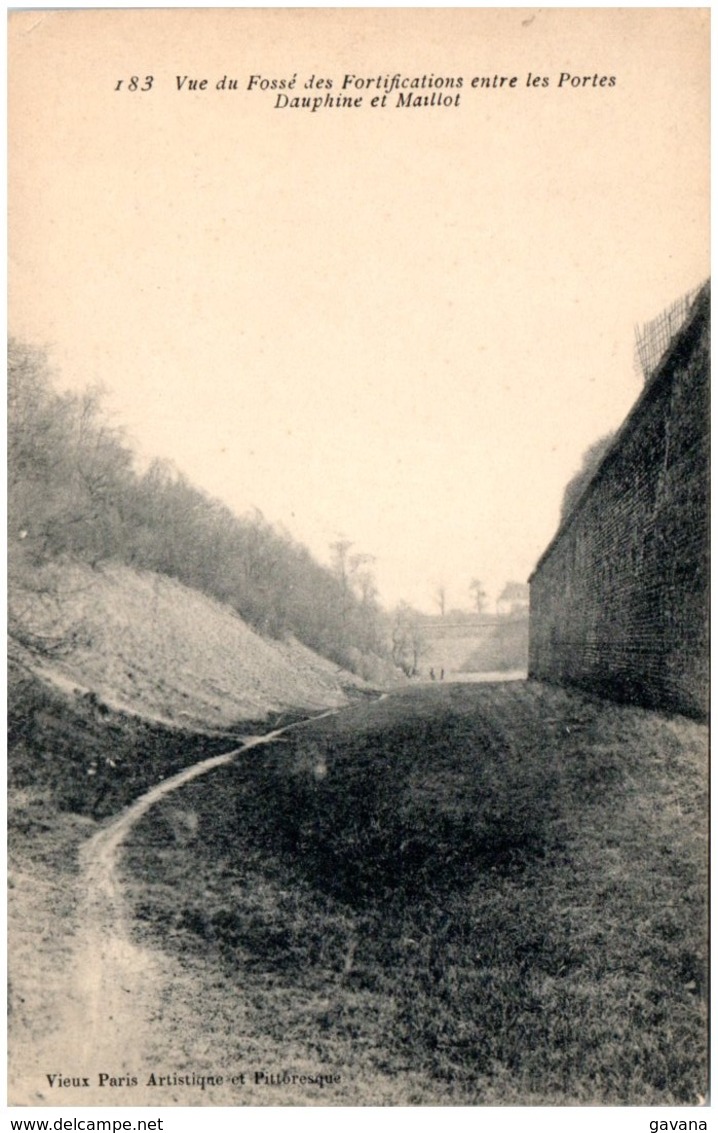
74, 490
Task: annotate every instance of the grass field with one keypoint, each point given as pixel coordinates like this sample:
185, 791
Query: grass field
499, 888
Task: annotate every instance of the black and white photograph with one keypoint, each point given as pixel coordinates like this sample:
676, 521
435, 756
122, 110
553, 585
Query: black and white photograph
358, 559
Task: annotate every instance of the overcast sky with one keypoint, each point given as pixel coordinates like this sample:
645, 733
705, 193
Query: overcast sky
402, 325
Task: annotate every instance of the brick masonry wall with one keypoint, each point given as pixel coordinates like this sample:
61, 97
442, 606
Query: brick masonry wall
619, 600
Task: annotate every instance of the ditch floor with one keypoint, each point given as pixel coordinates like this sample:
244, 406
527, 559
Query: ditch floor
469, 894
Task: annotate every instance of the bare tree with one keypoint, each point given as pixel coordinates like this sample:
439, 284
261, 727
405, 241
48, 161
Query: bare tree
514, 598
440, 597
479, 594
409, 643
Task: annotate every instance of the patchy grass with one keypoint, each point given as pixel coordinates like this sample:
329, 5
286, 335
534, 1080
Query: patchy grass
498, 887
87, 758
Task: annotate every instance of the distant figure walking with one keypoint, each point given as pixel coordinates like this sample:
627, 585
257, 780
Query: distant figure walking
432, 674
442, 675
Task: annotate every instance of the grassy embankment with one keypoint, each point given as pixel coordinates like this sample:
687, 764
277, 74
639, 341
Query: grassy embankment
73, 754
499, 888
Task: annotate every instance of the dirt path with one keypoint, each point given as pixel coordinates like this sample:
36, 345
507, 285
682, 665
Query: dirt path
100, 991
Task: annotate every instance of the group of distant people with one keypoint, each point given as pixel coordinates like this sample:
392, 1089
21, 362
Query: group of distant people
433, 676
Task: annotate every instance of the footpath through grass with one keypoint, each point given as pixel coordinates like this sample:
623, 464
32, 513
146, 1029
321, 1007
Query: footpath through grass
499, 888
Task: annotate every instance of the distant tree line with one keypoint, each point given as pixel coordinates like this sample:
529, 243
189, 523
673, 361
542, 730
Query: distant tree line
512, 601
73, 490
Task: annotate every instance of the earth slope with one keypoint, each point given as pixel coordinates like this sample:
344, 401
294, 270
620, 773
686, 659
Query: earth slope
146, 644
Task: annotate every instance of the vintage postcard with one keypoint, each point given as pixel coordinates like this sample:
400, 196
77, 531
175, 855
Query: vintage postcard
357, 557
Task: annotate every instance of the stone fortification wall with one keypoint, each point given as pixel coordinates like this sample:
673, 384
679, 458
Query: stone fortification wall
619, 599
